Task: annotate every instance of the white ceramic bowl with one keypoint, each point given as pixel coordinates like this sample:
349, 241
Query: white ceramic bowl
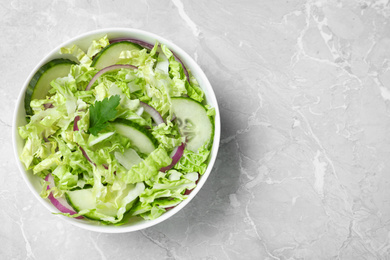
84, 40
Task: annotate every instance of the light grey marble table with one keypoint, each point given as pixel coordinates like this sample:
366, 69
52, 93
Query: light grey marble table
303, 170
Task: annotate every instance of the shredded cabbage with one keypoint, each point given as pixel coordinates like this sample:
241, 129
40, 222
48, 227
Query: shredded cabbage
122, 182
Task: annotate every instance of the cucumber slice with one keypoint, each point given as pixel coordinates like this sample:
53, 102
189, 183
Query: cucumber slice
139, 137
82, 199
193, 122
85, 199
40, 82
110, 54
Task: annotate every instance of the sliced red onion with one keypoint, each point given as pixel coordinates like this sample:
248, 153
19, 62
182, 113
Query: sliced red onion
86, 155
152, 112
176, 155
150, 46
184, 67
60, 203
89, 159
75, 126
48, 105
107, 69
187, 192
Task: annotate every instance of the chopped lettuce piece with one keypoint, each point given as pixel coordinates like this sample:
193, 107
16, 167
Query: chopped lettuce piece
148, 168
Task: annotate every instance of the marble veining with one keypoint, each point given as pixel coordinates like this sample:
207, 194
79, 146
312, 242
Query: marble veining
303, 170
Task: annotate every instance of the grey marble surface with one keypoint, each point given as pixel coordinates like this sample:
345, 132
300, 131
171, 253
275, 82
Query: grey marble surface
303, 170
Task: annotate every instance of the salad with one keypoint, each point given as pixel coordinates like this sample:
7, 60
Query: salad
122, 130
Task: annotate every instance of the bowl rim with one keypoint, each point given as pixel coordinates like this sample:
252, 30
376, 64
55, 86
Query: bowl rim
206, 86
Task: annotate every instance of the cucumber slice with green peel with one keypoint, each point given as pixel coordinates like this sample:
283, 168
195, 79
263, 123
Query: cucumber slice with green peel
139, 137
110, 54
39, 85
84, 199
193, 122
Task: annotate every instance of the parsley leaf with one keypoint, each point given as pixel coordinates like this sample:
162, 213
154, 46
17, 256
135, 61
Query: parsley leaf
101, 112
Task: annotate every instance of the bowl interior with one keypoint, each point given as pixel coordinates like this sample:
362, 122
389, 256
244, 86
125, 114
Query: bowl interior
83, 41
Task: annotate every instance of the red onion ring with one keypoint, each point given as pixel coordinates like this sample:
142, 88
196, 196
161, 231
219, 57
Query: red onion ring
61, 204
177, 154
152, 112
150, 46
106, 69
